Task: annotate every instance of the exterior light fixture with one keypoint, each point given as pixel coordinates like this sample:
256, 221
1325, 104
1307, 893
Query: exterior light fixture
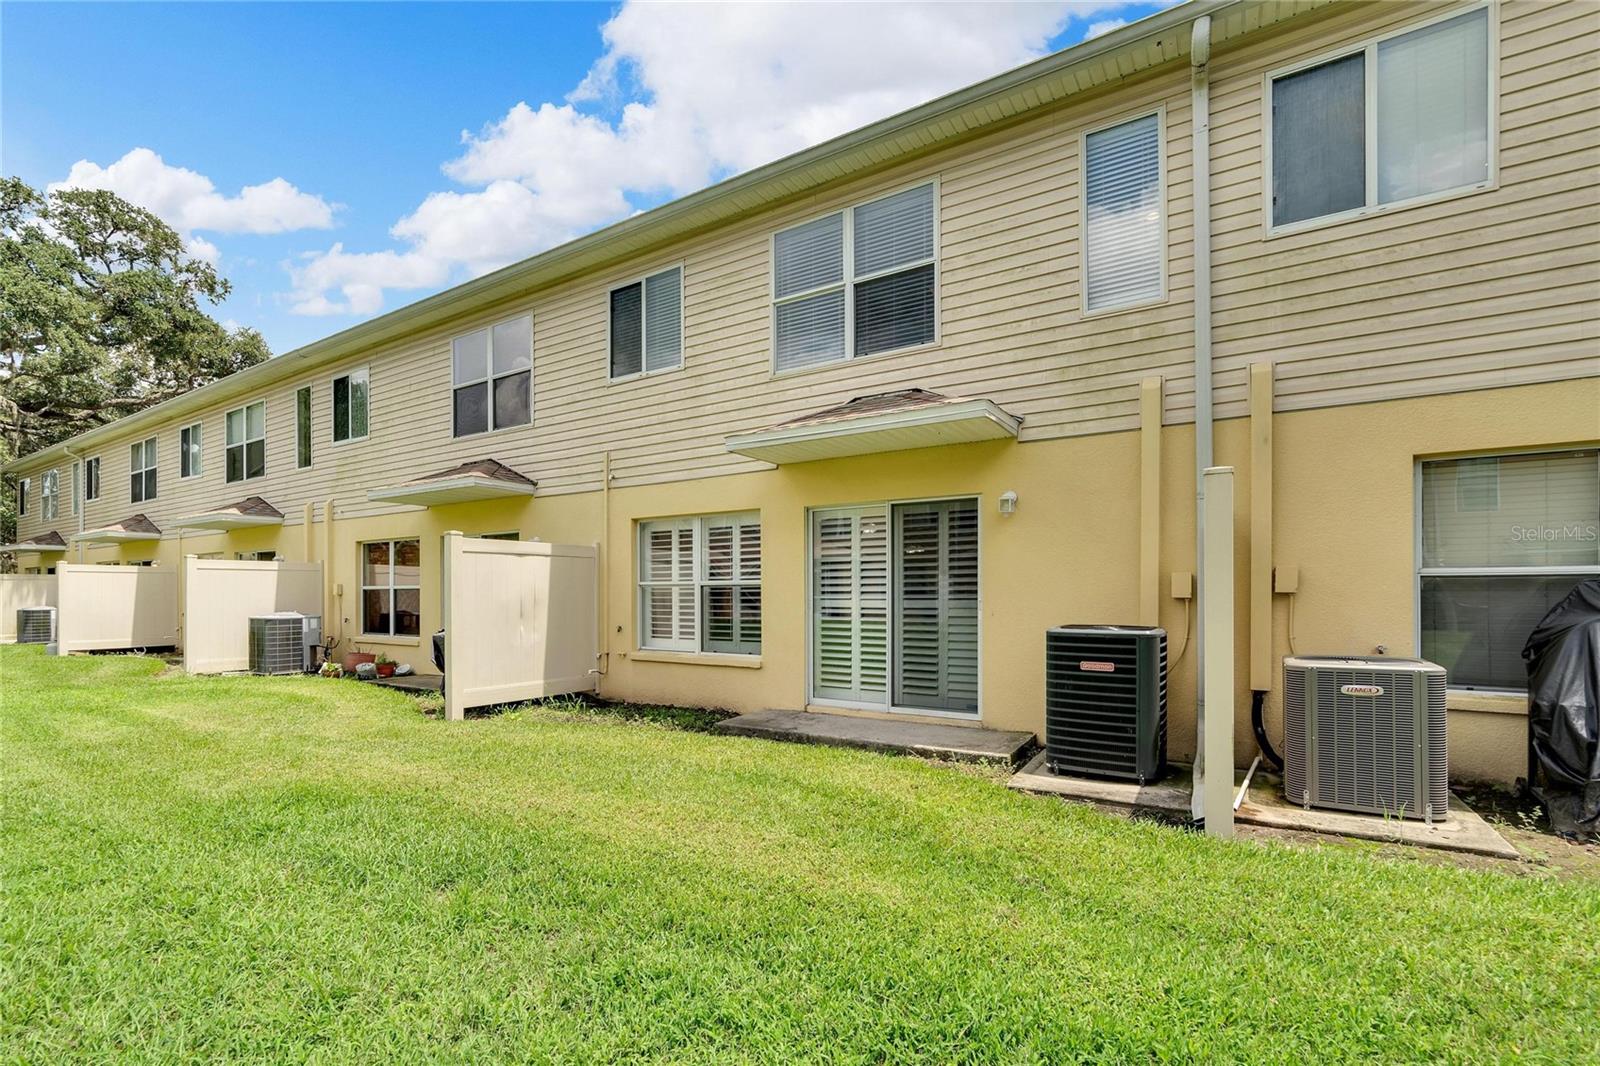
1008, 503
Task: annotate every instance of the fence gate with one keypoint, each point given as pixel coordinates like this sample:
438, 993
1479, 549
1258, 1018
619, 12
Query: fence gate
221, 595
519, 621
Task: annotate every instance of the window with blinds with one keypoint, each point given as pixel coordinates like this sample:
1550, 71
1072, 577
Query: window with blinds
1123, 228
647, 325
1402, 117
857, 282
700, 584
1503, 539
50, 495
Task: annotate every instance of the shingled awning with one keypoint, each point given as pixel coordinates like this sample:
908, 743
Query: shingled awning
481, 479
882, 422
134, 527
247, 513
48, 542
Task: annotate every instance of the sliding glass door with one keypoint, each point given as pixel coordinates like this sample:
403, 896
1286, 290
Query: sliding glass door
894, 601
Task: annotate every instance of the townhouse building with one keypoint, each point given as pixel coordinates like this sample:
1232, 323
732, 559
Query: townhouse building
853, 429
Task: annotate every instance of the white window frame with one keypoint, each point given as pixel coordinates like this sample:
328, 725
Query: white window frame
306, 425
148, 448
77, 486
244, 467
491, 378
365, 374
699, 582
1160, 113
91, 479
190, 436
1419, 571
1369, 47
391, 587
849, 281
614, 379
49, 495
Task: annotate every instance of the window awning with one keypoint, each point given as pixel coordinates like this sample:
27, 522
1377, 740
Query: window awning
884, 422
247, 513
481, 479
49, 542
134, 527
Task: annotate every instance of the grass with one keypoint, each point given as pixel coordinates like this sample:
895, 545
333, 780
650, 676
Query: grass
290, 869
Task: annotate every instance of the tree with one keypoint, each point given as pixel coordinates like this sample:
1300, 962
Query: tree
101, 314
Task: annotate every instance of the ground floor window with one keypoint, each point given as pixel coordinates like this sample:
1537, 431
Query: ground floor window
391, 588
256, 557
894, 606
1502, 540
700, 584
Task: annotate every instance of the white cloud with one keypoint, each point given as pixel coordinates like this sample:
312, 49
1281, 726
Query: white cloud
683, 95
189, 201
1104, 26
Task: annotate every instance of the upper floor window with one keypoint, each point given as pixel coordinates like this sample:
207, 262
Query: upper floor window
246, 431
1124, 250
1404, 117
91, 479
77, 487
700, 584
142, 471
23, 485
350, 405
857, 282
647, 324
492, 371
1503, 538
302, 427
189, 451
49, 495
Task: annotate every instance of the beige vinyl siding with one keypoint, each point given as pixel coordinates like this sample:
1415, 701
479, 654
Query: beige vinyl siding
1487, 289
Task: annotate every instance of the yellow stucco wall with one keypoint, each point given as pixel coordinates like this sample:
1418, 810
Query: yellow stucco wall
1343, 513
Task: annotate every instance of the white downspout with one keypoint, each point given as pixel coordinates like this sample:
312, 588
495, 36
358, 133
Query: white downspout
1200, 155
80, 497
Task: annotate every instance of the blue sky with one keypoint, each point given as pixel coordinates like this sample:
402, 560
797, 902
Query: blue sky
340, 160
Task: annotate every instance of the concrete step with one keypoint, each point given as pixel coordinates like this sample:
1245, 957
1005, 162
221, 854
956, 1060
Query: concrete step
960, 742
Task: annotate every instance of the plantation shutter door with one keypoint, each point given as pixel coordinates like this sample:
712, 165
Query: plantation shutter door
850, 604
936, 606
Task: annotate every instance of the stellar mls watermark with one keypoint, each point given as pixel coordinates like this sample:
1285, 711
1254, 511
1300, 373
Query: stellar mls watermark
1582, 532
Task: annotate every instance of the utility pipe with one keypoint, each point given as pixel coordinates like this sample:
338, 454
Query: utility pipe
1200, 156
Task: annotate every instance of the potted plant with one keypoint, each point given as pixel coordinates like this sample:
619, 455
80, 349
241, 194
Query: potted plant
385, 665
355, 657
330, 669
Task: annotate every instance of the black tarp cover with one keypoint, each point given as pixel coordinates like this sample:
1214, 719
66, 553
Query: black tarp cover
1563, 657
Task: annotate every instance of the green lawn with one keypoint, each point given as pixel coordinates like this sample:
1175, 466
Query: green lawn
295, 868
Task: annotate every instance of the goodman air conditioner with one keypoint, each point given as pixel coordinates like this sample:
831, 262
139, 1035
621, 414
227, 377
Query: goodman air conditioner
1105, 701
36, 625
1366, 734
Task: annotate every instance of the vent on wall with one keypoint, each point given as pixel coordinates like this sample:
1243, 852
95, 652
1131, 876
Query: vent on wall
36, 625
1106, 701
1366, 734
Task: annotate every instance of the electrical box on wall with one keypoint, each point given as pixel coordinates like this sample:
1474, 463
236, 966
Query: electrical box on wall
1286, 579
1182, 585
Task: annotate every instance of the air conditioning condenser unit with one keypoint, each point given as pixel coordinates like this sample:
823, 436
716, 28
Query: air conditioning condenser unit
282, 643
36, 625
1105, 701
1366, 734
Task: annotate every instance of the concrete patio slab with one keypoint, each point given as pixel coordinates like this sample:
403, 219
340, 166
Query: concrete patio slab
413, 682
1464, 831
965, 743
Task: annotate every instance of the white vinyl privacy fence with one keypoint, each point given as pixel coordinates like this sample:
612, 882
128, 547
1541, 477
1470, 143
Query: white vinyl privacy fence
519, 621
221, 595
23, 590
115, 608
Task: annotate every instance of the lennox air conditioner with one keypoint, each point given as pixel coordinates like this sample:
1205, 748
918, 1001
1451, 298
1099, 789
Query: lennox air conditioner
36, 625
1365, 734
281, 643
1105, 701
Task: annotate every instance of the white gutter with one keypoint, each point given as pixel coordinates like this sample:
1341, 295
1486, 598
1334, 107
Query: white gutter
1200, 154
